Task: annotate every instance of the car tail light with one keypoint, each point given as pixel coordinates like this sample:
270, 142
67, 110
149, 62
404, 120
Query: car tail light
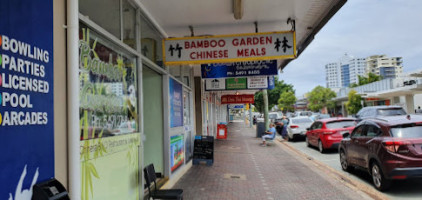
400, 177
394, 145
294, 126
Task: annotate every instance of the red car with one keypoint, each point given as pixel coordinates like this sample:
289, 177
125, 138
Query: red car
328, 133
387, 147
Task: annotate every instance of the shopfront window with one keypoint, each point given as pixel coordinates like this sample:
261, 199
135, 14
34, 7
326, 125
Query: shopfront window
105, 13
129, 24
151, 42
117, 17
108, 87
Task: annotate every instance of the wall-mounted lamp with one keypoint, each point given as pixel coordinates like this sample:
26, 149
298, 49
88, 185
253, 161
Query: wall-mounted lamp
238, 9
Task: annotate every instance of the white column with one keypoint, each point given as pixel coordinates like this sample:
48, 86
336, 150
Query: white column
410, 104
73, 98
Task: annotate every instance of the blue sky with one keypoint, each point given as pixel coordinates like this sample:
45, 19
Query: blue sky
361, 28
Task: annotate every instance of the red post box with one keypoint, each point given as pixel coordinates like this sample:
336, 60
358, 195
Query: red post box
221, 131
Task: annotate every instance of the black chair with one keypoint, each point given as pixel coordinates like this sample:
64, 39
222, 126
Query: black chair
149, 173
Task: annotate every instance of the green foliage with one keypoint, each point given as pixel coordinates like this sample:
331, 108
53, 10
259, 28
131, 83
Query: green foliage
273, 95
321, 97
353, 84
371, 78
353, 105
286, 101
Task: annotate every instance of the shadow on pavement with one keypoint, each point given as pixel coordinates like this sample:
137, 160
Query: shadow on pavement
409, 188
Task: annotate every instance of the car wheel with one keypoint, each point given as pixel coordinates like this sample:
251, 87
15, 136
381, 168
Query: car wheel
380, 182
290, 138
320, 147
343, 161
307, 142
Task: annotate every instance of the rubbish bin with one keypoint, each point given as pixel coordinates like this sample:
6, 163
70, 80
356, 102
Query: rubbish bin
221, 131
260, 128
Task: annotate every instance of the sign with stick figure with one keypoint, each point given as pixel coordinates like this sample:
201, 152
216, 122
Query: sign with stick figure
229, 48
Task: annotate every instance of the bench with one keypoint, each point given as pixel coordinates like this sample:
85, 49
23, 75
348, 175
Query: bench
149, 174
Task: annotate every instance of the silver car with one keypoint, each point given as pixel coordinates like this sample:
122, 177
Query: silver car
297, 127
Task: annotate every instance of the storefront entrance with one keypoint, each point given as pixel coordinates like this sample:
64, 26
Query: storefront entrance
153, 119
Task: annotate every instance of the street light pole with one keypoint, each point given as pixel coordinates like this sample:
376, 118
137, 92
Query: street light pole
265, 95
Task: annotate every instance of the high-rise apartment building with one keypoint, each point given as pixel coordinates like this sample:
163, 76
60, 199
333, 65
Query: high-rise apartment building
332, 75
347, 69
357, 68
384, 66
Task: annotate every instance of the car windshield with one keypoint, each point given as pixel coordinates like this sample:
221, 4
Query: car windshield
272, 116
407, 131
340, 124
391, 112
301, 120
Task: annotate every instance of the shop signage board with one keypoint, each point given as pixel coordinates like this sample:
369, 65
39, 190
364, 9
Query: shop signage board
236, 84
26, 96
176, 103
257, 82
236, 106
244, 83
237, 99
239, 69
176, 152
229, 48
271, 83
215, 84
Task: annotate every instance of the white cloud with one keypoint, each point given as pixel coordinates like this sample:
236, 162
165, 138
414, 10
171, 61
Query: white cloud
361, 28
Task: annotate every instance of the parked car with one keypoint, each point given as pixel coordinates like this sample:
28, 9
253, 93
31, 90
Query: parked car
289, 114
323, 116
297, 127
274, 116
389, 148
303, 113
328, 133
375, 111
126, 127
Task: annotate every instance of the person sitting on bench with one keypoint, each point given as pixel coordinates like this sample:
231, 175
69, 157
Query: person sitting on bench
270, 134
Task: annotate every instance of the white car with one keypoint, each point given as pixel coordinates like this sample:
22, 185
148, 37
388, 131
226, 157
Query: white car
297, 127
273, 116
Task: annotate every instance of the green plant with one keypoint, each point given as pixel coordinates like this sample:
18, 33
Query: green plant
321, 97
287, 101
273, 95
354, 104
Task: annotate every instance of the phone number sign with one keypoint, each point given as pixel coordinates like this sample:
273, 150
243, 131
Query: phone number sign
229, 48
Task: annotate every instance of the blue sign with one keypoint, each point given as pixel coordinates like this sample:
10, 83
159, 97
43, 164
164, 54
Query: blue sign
236, 106
271, 82
27, 100
176, 104
239, 69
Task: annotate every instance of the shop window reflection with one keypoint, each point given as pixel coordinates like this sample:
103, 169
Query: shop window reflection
150, 42
108, 92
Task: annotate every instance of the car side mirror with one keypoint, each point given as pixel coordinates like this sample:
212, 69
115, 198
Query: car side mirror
308, 129
357, 116
346, 135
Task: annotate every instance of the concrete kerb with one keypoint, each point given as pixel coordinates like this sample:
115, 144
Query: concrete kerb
351, 183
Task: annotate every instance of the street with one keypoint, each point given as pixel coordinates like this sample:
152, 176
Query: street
400, 190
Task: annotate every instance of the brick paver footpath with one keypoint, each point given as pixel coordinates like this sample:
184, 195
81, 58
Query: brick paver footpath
243, 169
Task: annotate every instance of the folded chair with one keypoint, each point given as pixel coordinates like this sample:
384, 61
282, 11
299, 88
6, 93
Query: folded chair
149, 174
